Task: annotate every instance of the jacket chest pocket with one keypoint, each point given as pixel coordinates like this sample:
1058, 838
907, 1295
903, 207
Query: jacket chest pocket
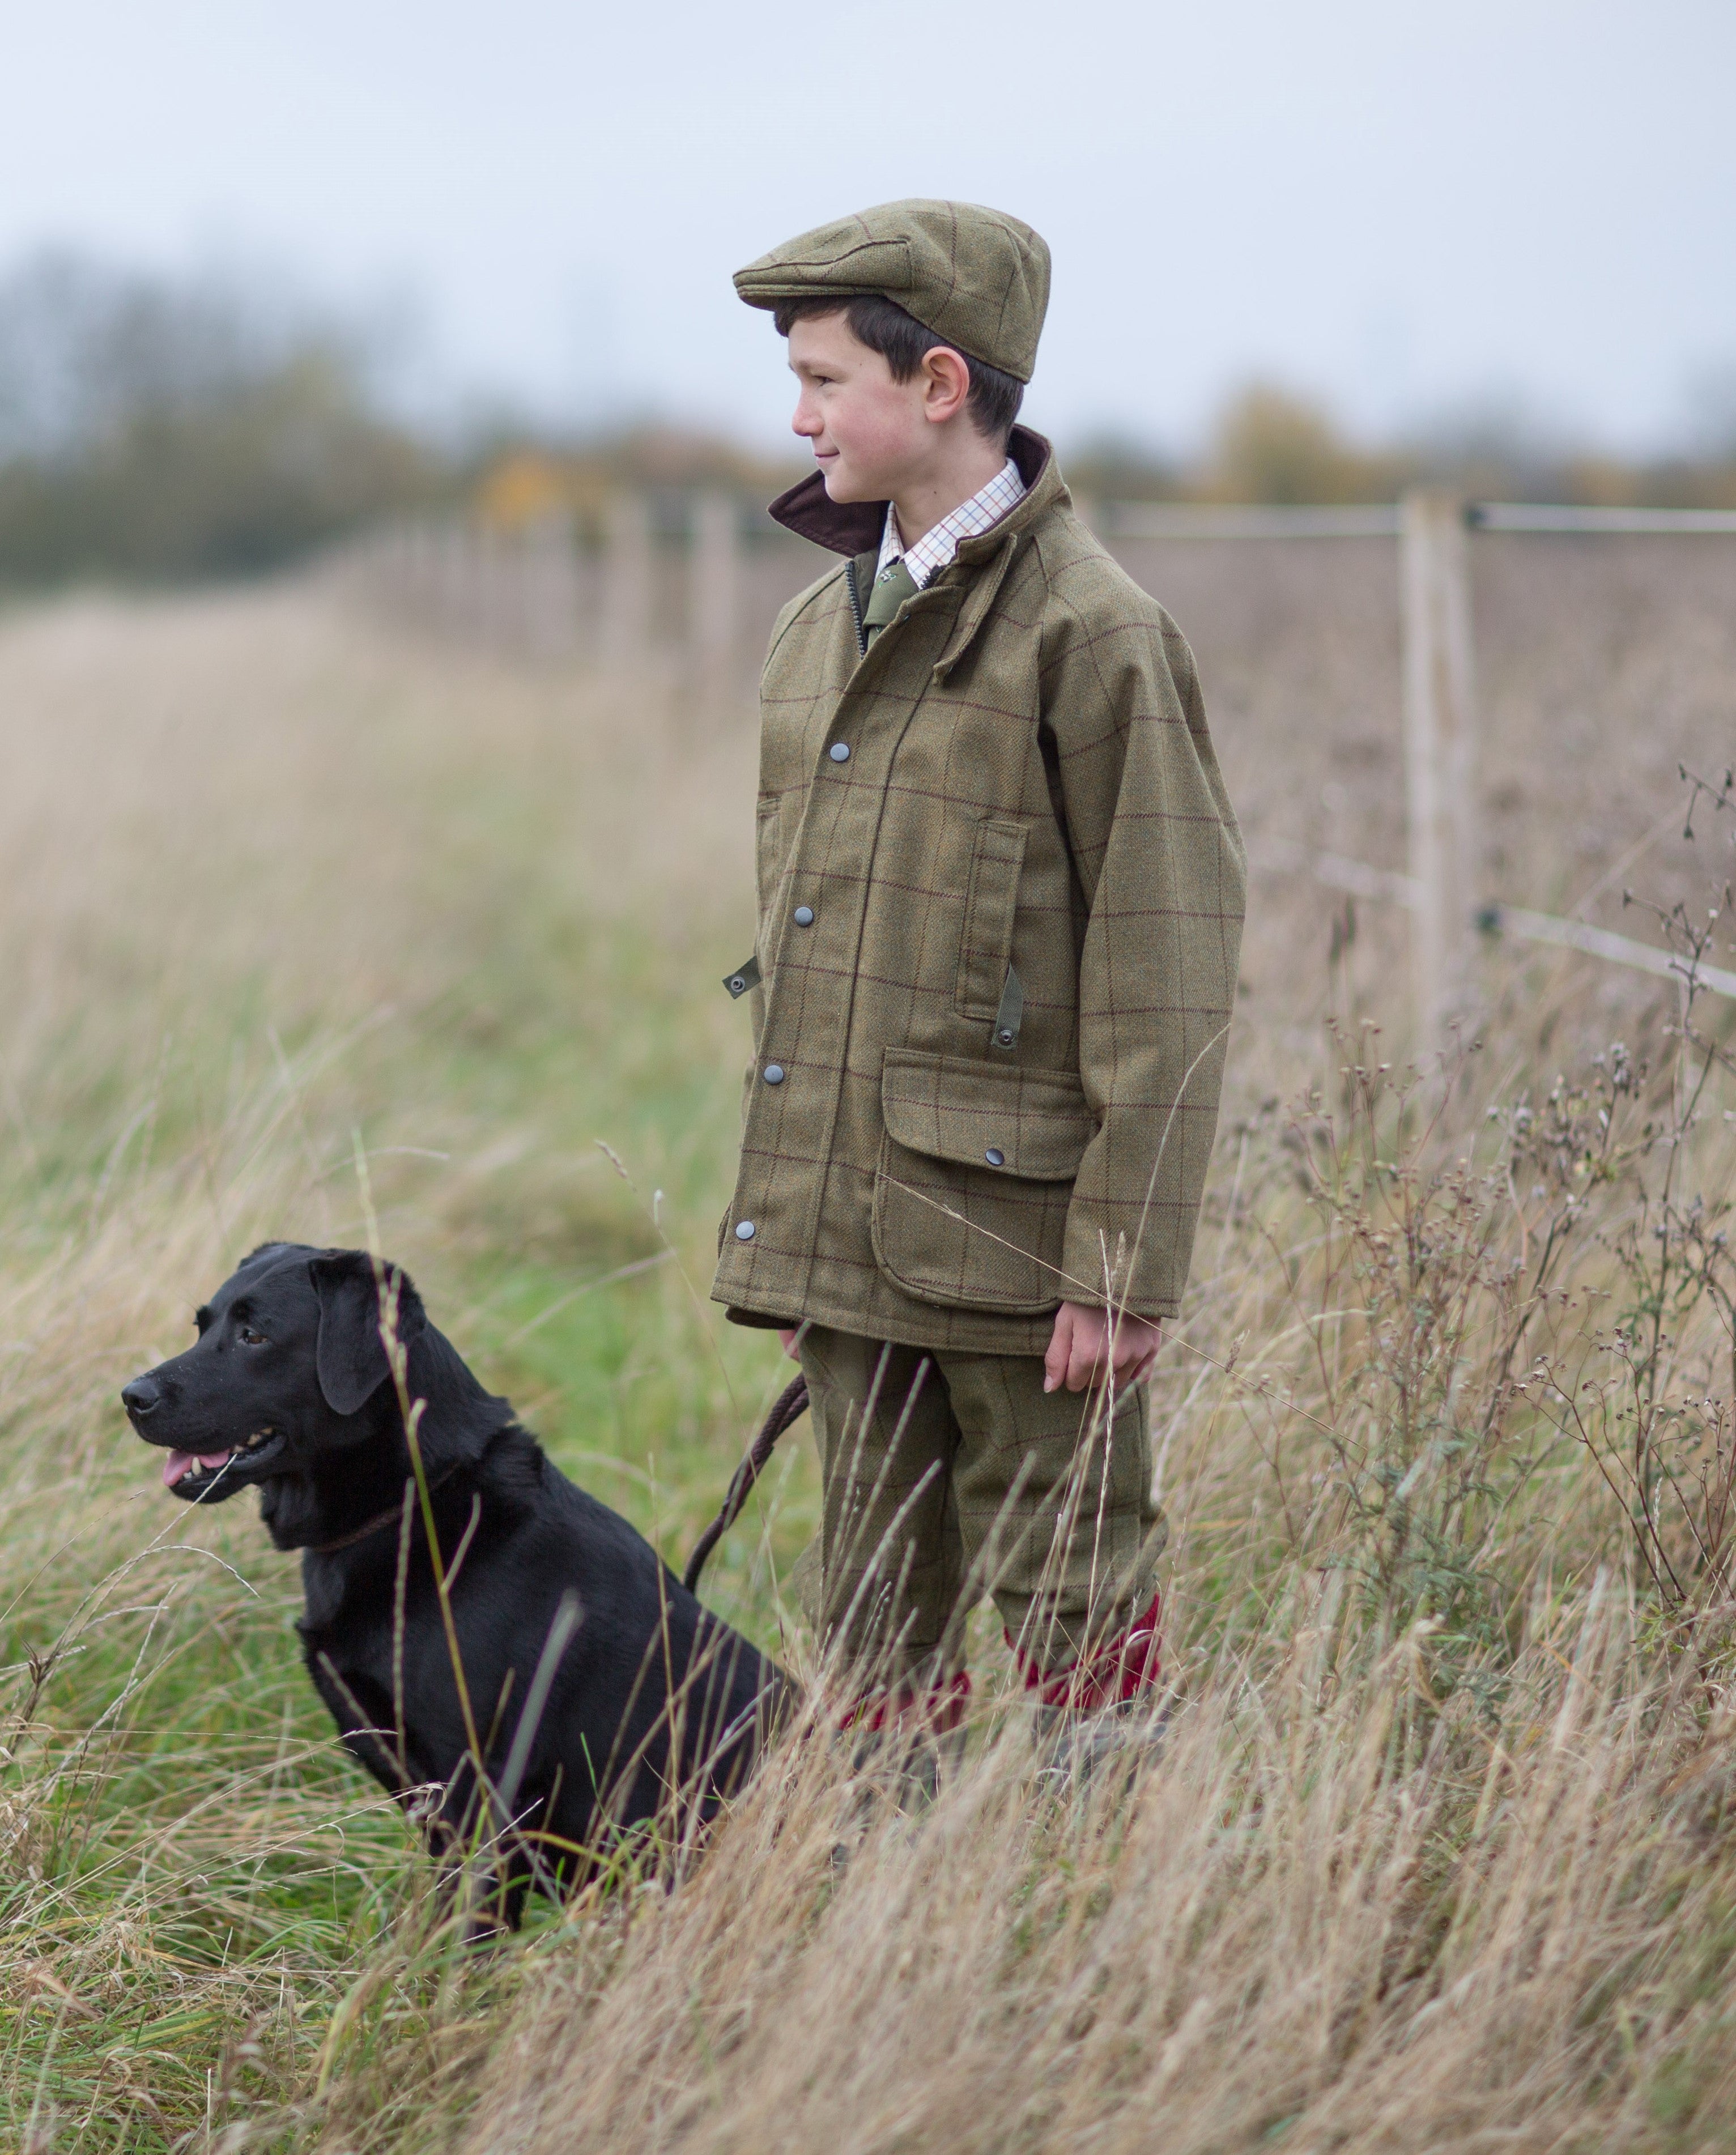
992, 900
768, 848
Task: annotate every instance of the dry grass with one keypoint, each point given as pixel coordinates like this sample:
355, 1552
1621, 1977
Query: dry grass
1283, 1940
1435, 1855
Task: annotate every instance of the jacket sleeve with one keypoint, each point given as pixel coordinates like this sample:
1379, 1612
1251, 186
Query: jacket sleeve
1164, 877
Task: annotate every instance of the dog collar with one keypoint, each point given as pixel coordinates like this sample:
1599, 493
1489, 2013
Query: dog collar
372, 1526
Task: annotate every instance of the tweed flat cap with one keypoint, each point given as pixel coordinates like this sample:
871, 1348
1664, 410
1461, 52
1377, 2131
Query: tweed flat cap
978, 279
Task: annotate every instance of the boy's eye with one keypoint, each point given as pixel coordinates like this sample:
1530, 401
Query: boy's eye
248, 1338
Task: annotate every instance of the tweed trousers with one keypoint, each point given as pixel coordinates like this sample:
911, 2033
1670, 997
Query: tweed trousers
947, 1475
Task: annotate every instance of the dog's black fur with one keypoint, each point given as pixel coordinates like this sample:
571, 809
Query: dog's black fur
658, 1708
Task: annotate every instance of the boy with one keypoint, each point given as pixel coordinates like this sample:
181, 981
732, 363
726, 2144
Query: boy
1000, 893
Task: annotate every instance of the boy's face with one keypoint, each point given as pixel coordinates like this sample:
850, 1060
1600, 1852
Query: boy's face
869, 432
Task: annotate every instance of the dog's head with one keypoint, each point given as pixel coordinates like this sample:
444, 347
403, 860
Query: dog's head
288, 1379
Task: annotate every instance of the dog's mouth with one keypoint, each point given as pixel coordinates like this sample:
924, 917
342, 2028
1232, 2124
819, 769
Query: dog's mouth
196, 1474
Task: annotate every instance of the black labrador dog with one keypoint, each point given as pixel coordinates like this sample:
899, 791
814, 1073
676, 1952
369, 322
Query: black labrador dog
597, 1693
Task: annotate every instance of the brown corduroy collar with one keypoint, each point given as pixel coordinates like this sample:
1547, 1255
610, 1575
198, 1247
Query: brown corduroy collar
854, 527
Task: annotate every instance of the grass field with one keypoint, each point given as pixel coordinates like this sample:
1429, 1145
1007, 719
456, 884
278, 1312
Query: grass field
307, 923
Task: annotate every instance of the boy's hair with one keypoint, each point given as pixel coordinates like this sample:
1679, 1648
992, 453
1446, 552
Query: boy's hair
901, 340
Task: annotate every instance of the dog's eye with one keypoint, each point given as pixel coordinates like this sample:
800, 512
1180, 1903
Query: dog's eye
248, 1338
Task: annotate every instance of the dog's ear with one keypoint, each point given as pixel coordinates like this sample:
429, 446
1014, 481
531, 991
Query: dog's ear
350, 1358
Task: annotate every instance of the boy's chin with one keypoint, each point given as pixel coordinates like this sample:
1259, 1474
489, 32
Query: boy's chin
846, 486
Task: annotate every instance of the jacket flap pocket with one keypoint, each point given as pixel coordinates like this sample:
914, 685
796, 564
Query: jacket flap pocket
1029, 1122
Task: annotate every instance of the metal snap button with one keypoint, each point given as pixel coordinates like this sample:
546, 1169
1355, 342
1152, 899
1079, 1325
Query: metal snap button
804, 916
994, 1156
744, 1231
839, 751
774, 1073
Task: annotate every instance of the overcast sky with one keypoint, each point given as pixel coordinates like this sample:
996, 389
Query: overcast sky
1404, 208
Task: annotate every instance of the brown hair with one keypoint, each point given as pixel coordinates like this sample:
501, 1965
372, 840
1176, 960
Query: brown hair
901, 340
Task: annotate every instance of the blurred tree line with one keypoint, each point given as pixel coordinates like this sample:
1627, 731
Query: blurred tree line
1271, 445
156, 428
1267, 445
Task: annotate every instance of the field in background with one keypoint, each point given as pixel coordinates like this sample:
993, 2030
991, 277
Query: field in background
1437, 1857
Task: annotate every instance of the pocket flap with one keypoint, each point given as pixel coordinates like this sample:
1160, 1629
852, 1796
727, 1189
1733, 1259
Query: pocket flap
1037, 1121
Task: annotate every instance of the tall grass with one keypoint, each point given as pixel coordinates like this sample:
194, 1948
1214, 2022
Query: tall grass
1434, 1851
271, 889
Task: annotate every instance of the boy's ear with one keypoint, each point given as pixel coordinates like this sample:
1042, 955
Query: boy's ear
350, 1357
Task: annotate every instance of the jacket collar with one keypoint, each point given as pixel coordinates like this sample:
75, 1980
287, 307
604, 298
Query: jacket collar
854, 527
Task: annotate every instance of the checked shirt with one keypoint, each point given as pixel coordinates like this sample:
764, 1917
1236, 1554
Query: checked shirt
937, 547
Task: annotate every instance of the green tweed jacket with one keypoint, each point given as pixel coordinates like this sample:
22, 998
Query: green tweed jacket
1001, 893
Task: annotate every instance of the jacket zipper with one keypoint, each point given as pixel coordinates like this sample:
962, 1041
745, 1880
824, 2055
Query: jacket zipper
856, 612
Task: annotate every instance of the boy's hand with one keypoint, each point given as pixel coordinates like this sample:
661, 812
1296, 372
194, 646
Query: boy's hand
787, 1340
1078, 1352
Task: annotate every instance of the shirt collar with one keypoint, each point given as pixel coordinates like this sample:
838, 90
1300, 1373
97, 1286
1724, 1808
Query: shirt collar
936, 548
856, 527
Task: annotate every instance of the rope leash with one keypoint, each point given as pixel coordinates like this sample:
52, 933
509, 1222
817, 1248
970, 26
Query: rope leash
788, 1408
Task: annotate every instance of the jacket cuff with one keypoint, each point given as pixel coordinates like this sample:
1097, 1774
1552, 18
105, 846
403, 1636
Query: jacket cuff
1153, 1313
1142, 1287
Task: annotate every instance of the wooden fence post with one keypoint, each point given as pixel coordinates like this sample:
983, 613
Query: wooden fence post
551, 597
1440, 756
625, 637
714, 599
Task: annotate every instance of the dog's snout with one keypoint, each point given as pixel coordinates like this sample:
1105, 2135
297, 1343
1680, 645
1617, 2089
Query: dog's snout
140, 1397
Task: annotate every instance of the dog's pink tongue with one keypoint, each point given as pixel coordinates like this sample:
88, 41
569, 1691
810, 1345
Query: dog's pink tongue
182, 1462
